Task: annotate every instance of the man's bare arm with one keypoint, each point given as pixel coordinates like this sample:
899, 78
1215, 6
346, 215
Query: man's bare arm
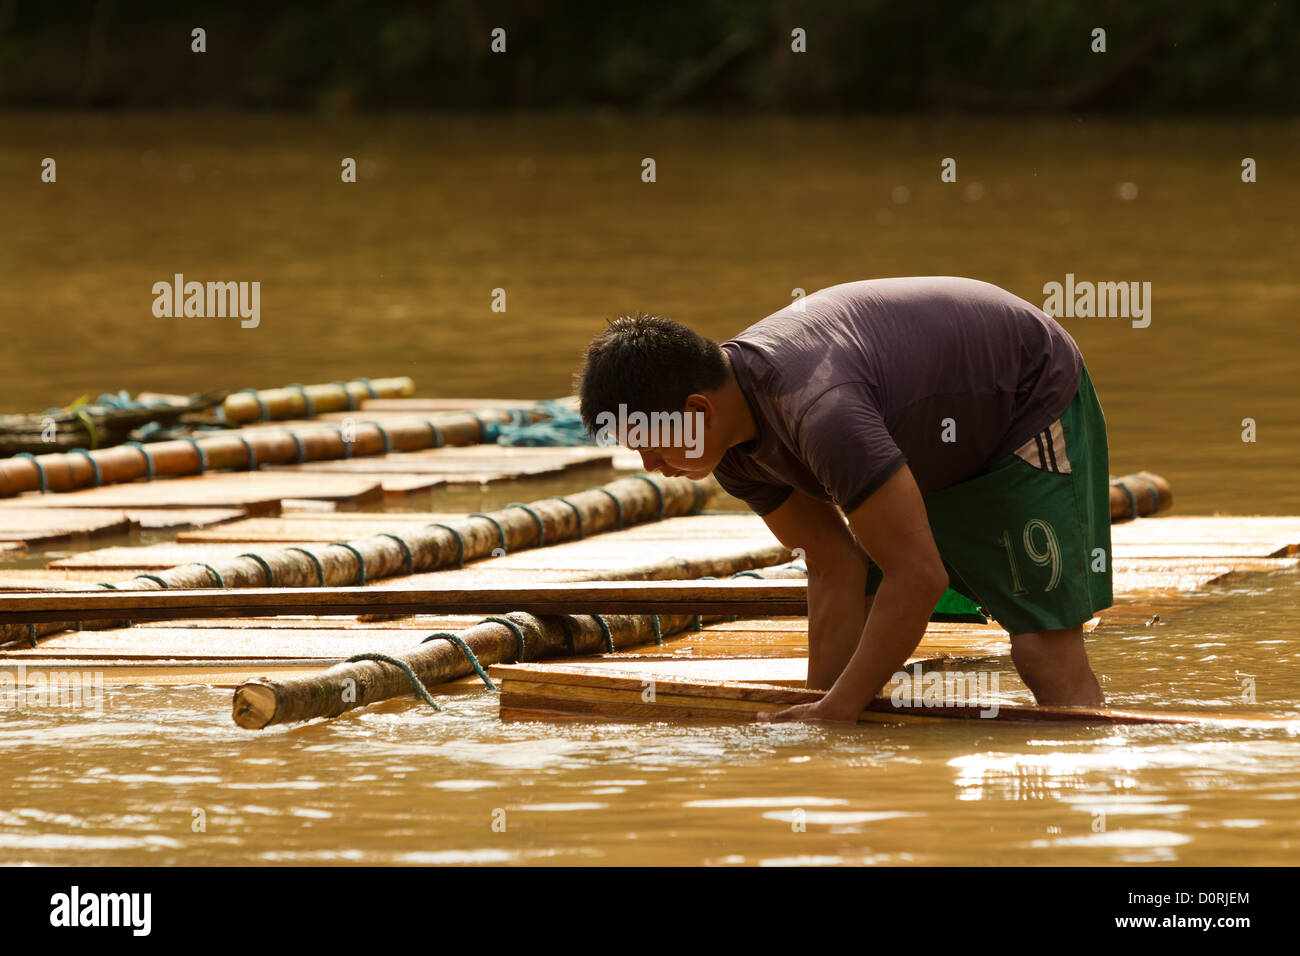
837, 577
893, 528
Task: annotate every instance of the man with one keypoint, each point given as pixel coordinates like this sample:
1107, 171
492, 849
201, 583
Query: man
952, 423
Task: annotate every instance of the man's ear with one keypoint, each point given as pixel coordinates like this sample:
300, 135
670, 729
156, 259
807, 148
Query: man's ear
697, 402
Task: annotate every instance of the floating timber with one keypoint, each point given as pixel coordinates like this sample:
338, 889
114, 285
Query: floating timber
611, 691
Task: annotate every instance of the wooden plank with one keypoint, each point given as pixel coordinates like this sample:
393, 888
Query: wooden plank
41, 527
735, 596
259, 492
470, 464
599, 691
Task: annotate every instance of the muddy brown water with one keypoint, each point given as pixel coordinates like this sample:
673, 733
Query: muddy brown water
395, 275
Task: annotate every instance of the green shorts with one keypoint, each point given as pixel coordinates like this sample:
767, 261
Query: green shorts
1028, 540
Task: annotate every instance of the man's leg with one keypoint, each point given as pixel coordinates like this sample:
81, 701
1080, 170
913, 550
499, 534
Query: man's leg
1054, 665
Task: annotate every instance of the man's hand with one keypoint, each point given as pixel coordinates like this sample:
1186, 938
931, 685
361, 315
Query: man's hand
893, 528
816, 712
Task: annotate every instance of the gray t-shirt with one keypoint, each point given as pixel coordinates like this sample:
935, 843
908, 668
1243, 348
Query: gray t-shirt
945, 374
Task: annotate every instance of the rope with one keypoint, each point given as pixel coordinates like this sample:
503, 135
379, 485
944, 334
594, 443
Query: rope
522, 654
437, 434
320, 568
40, 469
383, 433
369, 386
659, 634
618, 507
577, 512
658, 491
308, 406
221, 582
352, 402
410, 558
541, 525
347, 445
465, 648
263, 412
270, 575
496, 524
302, 451
148, 459
609, 635
203, 455
418, 684
157, 580
99, 478
361, 562
460, 542
1132, 501
252, 455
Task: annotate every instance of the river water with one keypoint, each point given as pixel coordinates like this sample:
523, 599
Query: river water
395, 275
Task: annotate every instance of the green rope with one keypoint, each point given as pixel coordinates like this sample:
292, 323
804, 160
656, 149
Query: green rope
270, 575
519, 633
157, 580
460, 542
659, 634
383, 433
658, 491
437, 433
468, 652
263, 412
40, 469
203, 455
221, 582
148, 459
361, 561
609, 635
541, 525
302, 451
309, 407
99, 478
577, 512
501, 532
320, 568
410, 558
252, 455
618, 507
418, 684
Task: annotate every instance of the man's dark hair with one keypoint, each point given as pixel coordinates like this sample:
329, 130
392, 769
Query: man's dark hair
648, 363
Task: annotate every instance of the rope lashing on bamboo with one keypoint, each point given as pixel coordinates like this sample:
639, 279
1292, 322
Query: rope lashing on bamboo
148, 459
266, 567
406, 550
252, 455
1134, 509
541, 525
519, 633
361, 561
437, 433
577, 512
659, 492
40, 469
308, 407
501, 532
421, 691
352, 399
347, 443
466, 650
203, 455
99, 476
460, 541
263, 413
320, 568
383, 433
431, 548
618, 509
157, 580
301, 449
609, 635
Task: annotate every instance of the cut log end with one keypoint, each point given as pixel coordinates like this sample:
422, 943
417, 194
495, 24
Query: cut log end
254, 705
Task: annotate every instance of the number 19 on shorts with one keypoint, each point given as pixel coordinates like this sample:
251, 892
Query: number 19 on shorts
1040, 545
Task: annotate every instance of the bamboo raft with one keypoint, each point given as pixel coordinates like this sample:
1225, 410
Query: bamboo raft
266, 575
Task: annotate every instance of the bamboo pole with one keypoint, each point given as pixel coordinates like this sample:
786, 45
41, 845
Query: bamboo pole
262, 702
244, 450
1137, 496
625, 501
305, 401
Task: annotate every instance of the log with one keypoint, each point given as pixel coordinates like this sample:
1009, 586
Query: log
742, 596
260, 702
1137, 496
230, 450
275, 404
626, 501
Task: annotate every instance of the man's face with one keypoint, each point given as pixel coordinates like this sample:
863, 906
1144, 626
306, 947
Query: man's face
684, 445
